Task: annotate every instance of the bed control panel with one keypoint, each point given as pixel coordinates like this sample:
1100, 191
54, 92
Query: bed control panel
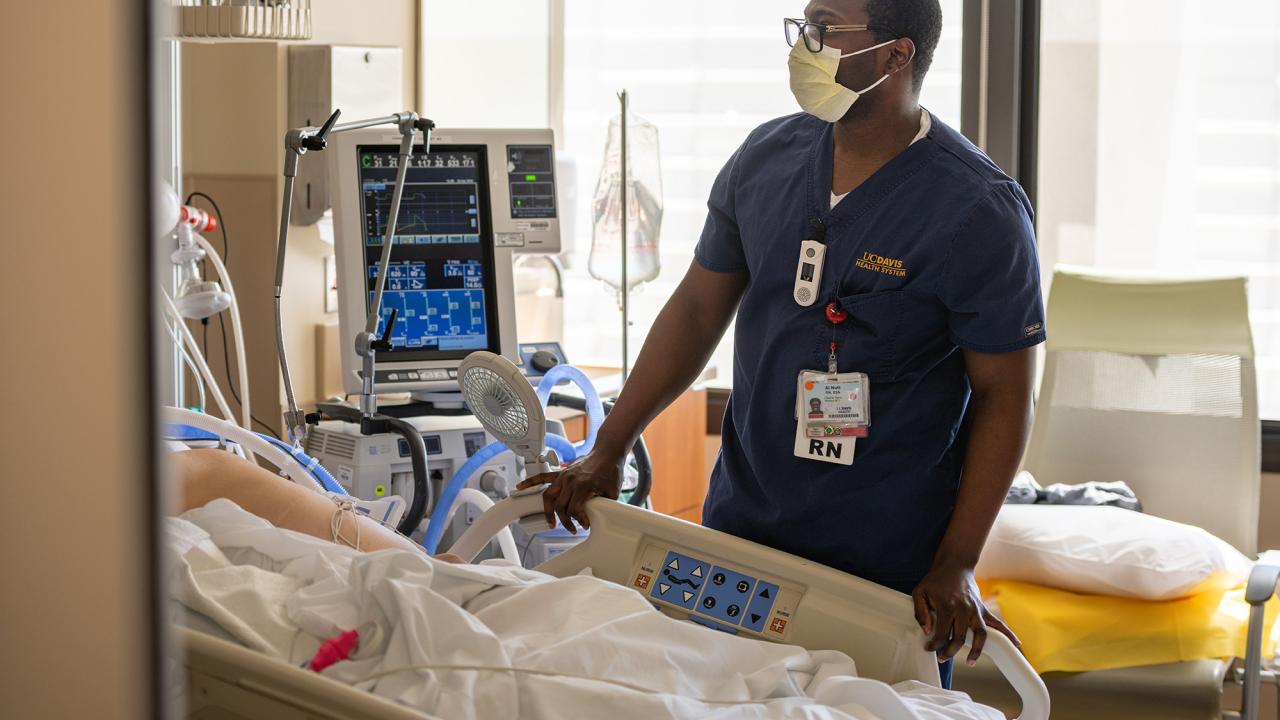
714, 593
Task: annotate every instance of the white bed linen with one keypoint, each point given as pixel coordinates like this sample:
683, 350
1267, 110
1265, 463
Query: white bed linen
282, 593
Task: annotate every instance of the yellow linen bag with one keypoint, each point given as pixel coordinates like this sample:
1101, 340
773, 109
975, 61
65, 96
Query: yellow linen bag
1065, 631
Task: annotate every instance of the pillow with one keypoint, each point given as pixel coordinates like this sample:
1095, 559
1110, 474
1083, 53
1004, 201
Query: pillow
1108, 551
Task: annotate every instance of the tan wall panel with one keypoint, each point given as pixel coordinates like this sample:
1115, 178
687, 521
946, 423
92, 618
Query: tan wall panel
76, 633
1269, 520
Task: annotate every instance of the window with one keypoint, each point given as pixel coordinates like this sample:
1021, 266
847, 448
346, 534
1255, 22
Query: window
1160, 147
705, 73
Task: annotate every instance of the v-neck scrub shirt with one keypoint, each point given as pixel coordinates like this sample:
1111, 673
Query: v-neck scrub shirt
933, 254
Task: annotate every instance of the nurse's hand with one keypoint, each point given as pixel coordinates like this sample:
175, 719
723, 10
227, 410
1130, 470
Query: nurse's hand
948, 605
599, 474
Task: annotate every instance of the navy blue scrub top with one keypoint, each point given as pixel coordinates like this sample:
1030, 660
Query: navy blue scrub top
934, 253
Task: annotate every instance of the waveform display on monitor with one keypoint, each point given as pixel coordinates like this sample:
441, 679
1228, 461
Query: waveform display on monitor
432, 317
426, 209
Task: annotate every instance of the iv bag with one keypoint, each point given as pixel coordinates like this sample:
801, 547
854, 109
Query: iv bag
644, 207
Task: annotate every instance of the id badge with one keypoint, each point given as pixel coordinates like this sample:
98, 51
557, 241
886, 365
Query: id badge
836, 405
835, 449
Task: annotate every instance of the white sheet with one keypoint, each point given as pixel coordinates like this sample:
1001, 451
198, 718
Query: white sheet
591, 647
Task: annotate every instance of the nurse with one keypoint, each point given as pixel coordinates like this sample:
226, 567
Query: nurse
886, 284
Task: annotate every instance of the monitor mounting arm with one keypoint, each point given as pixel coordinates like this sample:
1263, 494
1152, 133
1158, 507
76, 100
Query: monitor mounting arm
297, 142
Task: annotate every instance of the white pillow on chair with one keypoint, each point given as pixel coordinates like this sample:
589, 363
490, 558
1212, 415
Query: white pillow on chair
1108, 551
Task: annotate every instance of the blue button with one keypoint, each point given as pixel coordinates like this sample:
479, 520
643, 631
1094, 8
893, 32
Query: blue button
758, 608
714, 625
679, 580
726, 595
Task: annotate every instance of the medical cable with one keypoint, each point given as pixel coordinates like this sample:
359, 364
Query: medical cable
172, 311
237, 328
237, 332
186, 357
568, 676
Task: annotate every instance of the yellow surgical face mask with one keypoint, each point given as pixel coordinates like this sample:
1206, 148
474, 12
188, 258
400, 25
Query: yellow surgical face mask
813, 81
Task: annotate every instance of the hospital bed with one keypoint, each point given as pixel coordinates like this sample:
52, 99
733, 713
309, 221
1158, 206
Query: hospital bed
787, 599
1151, 382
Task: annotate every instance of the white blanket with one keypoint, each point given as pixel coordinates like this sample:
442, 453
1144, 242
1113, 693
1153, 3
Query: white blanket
488, 641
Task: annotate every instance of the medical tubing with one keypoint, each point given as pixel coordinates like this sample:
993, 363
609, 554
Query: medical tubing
237, 330
312, 465
422, 490
639, 451
229, 430
436, 526
593, 406
186, 359
196, 355
567, 451
482, 502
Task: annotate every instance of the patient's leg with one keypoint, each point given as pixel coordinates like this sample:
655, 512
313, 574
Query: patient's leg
207, 475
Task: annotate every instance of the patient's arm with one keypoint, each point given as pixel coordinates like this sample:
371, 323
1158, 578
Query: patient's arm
206, 475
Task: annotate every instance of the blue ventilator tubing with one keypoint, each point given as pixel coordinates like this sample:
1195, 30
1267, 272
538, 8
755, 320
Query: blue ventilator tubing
595, 409
308, 463
567, 451
312, 465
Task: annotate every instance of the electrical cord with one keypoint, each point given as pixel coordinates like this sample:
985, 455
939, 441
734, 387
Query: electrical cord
222, 326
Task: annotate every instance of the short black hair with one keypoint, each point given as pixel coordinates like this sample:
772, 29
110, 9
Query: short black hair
920, 20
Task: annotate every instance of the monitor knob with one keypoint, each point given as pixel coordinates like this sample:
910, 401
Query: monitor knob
495, 483
542, 361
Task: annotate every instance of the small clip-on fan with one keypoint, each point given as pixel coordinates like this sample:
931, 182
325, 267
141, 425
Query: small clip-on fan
506, 405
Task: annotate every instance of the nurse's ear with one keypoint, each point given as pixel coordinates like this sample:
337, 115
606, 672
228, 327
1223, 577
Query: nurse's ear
901, 53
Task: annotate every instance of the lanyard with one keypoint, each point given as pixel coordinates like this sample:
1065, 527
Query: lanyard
836, 316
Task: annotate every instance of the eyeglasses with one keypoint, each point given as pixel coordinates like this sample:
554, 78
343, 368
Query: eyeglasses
814, 34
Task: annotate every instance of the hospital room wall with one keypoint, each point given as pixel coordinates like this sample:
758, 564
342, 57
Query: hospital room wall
234, 115
76, 597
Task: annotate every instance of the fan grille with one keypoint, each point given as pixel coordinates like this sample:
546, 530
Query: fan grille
492, 399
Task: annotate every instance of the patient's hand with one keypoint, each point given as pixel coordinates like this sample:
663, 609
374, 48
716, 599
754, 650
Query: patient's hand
450, 558
599, 474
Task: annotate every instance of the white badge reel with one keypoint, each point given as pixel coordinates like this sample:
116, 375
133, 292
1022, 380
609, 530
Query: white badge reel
809, 272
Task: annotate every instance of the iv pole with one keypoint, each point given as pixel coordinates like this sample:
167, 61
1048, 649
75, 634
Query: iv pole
626, 286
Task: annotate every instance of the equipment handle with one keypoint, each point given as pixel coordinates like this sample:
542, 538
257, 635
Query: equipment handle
1015, 668
522, 504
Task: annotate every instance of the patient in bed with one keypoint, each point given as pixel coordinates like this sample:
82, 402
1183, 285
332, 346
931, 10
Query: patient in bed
265, 563
205, 475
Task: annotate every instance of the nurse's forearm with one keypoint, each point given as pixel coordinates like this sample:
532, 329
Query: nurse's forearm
675, 352
1001, 424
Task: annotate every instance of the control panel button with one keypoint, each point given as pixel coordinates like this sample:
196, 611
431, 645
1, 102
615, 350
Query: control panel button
729, 592
679, 580
760, 606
